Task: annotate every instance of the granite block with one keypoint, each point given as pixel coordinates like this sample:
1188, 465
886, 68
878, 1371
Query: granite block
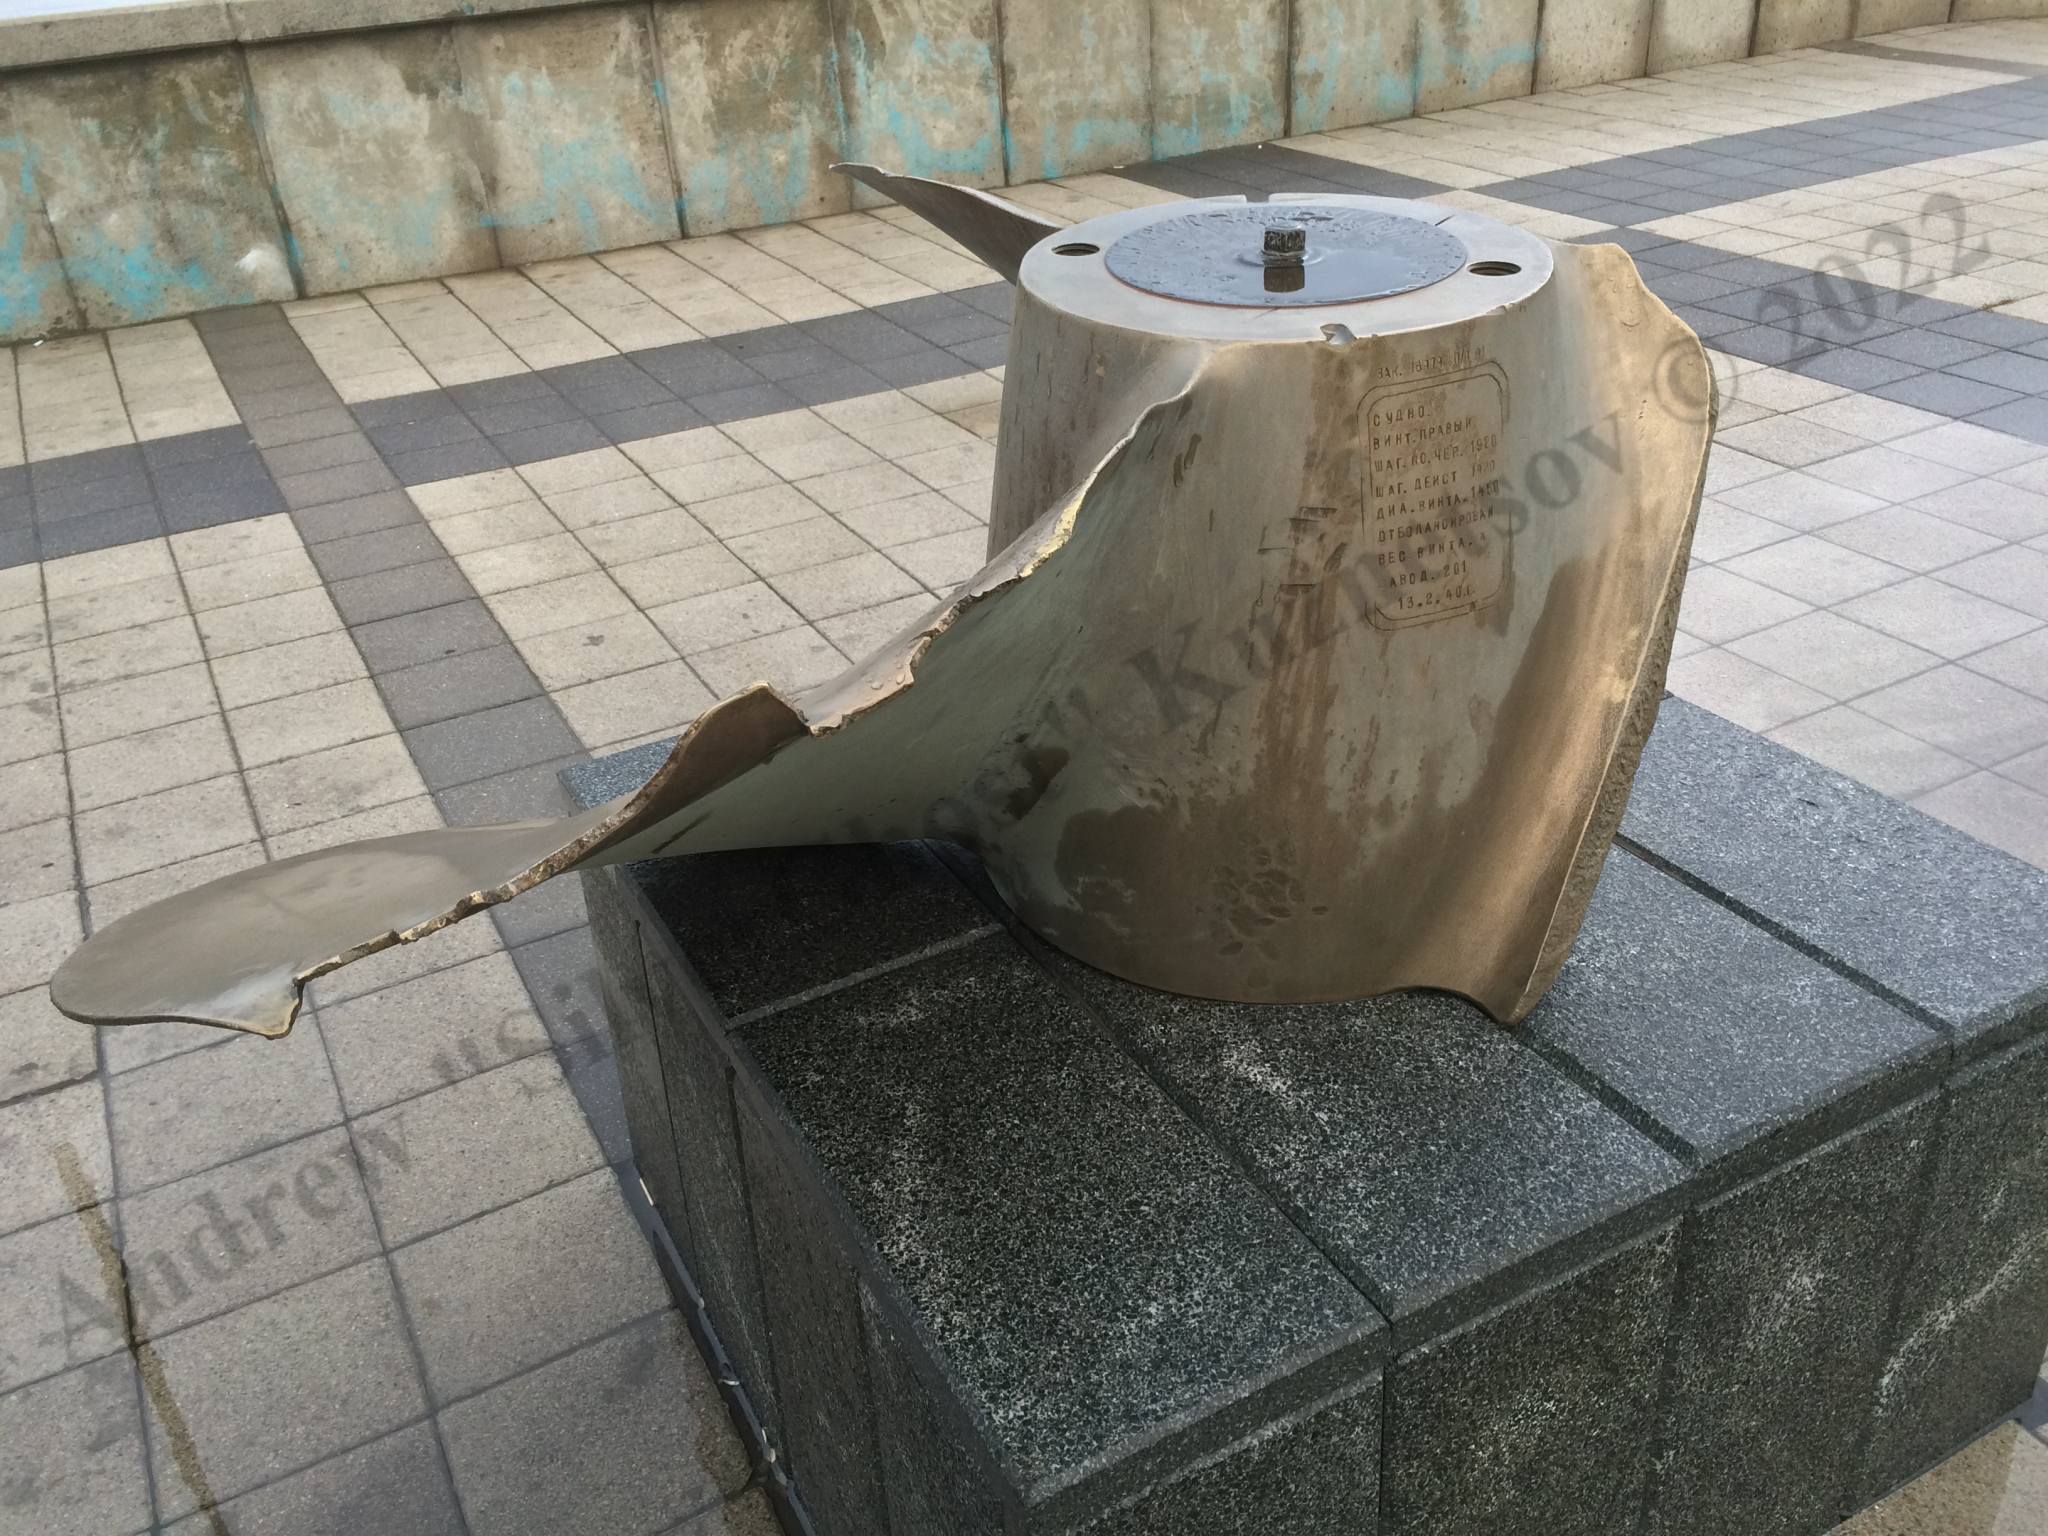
1716, 1036
1314, 1475
1062, 121
623, 981
1940, 923
1444, 1166
937, 1473
816, 1334
833, 911
720, 1251
1154, 1313
1973, 1314
1780, 1331
1537, 1418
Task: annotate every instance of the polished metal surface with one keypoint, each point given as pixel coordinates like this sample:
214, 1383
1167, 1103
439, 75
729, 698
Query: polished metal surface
1274, 255
1301, 670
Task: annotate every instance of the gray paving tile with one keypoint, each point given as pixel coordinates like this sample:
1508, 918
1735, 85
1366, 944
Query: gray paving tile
456, 685
549, 442
475, 1145
300, 426
396, 1486
71, 1453
410, 639
268, 404
386, 549
319, 453
54, 1148
624, 1435
39, 1047
407, 589
201, 1109
509, 1290
517, 794
191, 447
491, 741
79, 468
357, 515
58, 1314
283, 1383
424, 465
425, 1033
231, 504
234, 1234
1945, 393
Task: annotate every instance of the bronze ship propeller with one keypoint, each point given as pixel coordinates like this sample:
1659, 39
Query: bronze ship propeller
1334, 558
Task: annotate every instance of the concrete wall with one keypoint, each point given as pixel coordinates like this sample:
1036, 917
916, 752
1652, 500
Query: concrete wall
192, 155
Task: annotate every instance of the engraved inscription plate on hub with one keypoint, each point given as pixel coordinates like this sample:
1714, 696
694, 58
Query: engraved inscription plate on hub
1432, 452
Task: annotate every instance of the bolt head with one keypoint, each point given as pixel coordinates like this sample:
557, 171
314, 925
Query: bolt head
1286, 240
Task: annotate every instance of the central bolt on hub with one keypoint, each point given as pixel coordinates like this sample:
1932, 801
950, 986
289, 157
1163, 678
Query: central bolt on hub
1286, 245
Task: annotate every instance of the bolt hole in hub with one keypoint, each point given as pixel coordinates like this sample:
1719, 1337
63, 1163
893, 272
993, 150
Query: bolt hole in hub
1076, 248
1493, 268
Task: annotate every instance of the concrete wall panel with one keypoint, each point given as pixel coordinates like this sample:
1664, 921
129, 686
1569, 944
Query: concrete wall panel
1354, 62
1474, 50
154, 188
919, 79
1583, 42
1219, 73
573, 149
1893, 15
1684, 33
373, 143
34, 297
1785, 24
1077, 86
1997, 10
753, 110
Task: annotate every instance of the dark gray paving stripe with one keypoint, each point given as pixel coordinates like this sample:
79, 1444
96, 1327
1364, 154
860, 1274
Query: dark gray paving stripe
1931, 56
1970, 365
1635, 189
484, 735
438, 433
1256, 171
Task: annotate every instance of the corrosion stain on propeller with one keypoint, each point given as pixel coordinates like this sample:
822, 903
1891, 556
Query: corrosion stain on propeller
1334, 555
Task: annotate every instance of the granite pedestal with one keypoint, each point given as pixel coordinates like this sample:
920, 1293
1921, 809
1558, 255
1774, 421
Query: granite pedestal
1747, 1224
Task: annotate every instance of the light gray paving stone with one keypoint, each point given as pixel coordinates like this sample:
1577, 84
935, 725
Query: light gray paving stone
944, 562
620, 643
294, 668
643, 537
1991, 506
1815, 570
1994, 809
234, 1234
653, 701
843, 585
167, 827
1975, 717
71, 1453
58, 1313
1738, 689
395, 1486
683, 573
1882, 756
418, 1035
54, 1148
36, 860
1907, 537
267, 621
130, 652
39, 1047
1889, 474
25, 675
35, 936
296, 724
136, 704
624, 1435
2016, 576
285, 1382
1790, 442
790, 659
1798, 500
477, 1144
860, 633
29, 730
203, 1108
124, 607
500, 1294
2020, 663
321, 786
1836, 655
1937, 617
168, 757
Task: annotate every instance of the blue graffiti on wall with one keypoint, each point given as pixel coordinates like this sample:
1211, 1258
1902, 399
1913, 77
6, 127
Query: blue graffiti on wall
926, 132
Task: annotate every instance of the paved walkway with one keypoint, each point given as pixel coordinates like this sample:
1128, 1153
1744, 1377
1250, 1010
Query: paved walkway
276, 577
